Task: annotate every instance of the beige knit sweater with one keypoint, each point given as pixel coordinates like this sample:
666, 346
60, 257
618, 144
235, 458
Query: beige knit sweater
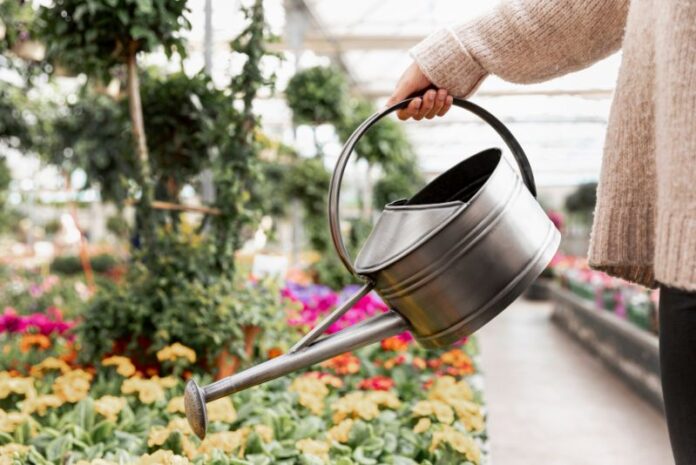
645, 221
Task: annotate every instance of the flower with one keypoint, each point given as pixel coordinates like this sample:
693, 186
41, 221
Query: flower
73, 386
47, 364
394, 361
423, 425
341, 431
365, 405
95, 462
158, 434
124, 366
311, 392
344, 364
30, 340
460, 361
176, 405
459, 396
148, 390
326, 378
176, 351
419, 363
222, 410
376, 383
41, 404
398, 343
9, 421
162, 457
109, 407
226, 441
16, 385
442, 411
13, 453
313, 447
265, 432
459, 441
167, 382
274, 352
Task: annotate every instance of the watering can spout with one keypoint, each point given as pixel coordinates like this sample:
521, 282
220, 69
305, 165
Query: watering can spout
371, 330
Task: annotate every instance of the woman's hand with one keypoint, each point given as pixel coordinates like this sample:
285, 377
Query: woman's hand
432, 103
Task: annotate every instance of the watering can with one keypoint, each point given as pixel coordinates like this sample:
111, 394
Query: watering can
446, 261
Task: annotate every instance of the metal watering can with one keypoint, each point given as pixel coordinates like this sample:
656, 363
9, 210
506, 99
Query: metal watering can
446, 261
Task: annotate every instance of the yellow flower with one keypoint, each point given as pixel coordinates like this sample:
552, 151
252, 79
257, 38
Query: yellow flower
47, 364
9, 421
459, 396
16, 385
176, 351
95, 462
222, 410
148, 391
459, 441
226, 441
41, 404
124, 366
340, 432
167, 382
162, 457
423, 425
158, 435
72, 386
109, 407
313, 447
311, 392
12, 453
439, 409
265, 432
365, 405
176, 405
446, 388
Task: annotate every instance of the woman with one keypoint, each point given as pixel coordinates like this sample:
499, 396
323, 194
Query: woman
645, 221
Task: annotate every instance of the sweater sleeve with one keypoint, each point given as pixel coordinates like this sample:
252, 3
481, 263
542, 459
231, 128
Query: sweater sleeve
523, 41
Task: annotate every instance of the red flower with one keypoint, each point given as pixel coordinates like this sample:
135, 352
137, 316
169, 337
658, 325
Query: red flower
395, 343
344, 364
376, 383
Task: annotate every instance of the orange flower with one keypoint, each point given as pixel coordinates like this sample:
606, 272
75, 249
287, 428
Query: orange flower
70, 356
376, 383
344, 364
395, 343
392, 362
274, 352
459, 360
30, 340
419, 363
326, 378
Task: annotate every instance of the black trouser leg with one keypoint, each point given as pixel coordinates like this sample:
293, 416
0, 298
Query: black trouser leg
678, 367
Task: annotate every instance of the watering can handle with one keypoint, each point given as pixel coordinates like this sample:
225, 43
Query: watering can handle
337, 177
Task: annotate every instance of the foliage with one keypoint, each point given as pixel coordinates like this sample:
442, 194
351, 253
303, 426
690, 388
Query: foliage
118, 226
93, 36
71, 264
583, 200
317, 95
182, 302
390, 403
15, 116
235, 168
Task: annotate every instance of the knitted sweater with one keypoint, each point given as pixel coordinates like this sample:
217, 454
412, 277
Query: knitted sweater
645, 219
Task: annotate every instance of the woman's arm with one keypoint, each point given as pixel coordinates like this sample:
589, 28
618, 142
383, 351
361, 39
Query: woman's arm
522, 41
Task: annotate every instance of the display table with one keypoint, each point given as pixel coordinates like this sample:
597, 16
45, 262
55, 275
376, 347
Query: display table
627, 350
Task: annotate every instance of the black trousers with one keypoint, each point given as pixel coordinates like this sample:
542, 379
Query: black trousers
678, 370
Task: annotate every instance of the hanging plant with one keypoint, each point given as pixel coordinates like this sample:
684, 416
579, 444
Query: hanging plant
317, 95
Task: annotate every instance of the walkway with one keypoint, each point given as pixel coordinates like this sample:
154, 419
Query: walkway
551, 403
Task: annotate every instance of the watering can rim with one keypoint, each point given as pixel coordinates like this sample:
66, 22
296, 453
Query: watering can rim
458, 208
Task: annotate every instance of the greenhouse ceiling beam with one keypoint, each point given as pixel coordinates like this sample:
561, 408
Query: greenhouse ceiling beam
348, 42
335, 49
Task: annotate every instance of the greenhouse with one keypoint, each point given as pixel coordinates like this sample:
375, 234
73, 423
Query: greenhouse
305, 232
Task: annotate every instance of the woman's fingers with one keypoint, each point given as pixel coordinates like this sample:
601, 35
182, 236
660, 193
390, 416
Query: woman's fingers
446, 107
427, 105
439, 102
411, 110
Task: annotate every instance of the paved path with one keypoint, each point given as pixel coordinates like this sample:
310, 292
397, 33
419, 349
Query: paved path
551, 403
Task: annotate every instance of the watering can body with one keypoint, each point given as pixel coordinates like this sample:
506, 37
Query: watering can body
446, 261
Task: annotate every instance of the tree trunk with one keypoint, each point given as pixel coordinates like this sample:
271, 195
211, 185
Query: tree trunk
144, 207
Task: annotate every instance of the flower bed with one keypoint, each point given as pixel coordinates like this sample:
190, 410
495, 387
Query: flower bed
628, 301
391, 403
